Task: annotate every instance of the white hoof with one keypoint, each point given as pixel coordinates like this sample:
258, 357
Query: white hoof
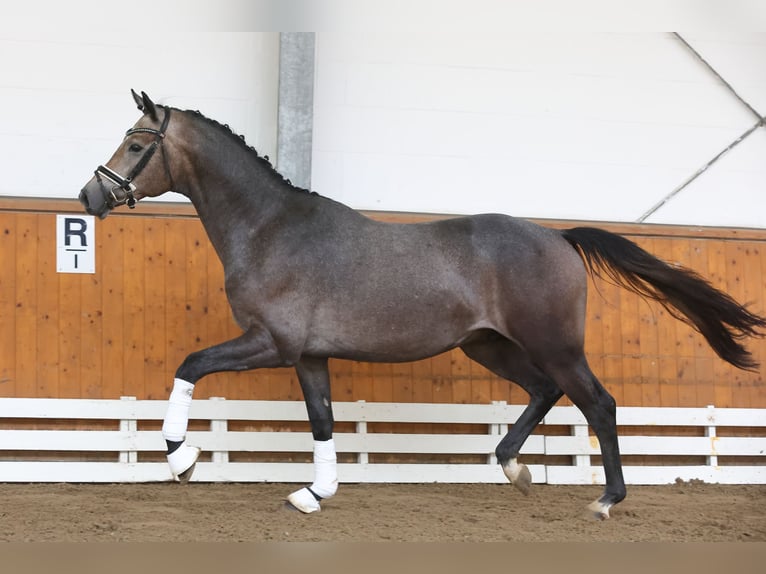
519, 475
304, 501
599, 509
182, 461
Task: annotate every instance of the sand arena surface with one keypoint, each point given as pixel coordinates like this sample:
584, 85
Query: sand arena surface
168, 512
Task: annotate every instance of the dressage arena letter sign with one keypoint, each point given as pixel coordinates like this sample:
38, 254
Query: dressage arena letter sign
76, 244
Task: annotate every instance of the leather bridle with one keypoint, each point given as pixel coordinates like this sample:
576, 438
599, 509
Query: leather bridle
124, 189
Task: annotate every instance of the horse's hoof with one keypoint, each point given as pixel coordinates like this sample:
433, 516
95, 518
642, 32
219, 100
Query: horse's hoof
303, 501
519, 475
289, 506
523, 481
599, 509
182, 462
186, 475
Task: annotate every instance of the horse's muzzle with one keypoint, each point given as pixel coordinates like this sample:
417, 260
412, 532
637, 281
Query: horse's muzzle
94, 204
84, 200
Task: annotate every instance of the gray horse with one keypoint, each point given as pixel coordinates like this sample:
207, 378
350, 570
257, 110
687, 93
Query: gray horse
308, 278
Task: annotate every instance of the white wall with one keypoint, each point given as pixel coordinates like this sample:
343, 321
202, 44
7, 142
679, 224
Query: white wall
66, 97
562, 125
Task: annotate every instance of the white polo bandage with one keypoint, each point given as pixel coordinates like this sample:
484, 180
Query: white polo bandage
325, 469
325, 478
177, 416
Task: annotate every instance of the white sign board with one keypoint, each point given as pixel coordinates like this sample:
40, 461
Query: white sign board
75, 244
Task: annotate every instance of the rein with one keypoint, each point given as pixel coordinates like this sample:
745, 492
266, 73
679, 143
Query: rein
125, 184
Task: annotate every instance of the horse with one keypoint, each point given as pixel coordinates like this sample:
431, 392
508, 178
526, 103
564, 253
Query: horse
309, 279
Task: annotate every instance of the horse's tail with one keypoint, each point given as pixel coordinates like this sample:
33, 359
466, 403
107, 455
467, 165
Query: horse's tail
687, 296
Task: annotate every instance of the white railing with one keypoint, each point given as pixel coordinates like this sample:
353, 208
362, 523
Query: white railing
55, 452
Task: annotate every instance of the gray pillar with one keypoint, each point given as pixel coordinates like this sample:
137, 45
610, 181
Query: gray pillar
295, 119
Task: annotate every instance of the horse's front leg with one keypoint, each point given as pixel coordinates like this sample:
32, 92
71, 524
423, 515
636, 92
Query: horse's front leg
253, 349
314, 378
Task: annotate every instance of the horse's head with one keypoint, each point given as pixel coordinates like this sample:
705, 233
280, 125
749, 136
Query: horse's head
131, 173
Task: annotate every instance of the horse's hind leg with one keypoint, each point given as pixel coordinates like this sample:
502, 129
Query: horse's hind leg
579, 383
509, 361
314, 378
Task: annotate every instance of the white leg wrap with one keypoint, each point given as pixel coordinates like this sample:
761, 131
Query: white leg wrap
304, 501
177, 416
182, 459
325, 478
325, 469
175, 425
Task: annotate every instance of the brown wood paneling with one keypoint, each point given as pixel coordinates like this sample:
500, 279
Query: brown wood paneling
92, 373
176, 343
47, 298
158, 295
132, 304
114, 308
26, 305
401, 391
155, 307
703, 357
8, 331
461, 379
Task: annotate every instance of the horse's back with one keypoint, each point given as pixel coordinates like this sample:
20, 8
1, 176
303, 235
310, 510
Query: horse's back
433, 284
489, 255
518, 250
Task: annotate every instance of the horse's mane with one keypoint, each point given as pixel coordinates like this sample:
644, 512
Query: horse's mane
240, 139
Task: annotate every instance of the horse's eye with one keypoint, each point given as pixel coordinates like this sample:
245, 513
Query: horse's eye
135, 147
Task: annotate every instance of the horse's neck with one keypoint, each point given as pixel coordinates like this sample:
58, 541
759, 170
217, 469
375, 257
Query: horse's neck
234, 205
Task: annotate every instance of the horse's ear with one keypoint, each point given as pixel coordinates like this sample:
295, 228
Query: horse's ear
149, 107
139, 101
145, 104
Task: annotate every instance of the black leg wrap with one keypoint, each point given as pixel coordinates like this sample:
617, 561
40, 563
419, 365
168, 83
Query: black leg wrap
314, 494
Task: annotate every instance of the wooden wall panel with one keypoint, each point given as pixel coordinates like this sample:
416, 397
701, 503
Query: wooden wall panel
158, 295
131, 367
26, 307
115, 305
47, 297
8, 331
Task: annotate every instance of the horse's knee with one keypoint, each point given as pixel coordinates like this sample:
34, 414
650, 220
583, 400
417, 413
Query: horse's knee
192, 368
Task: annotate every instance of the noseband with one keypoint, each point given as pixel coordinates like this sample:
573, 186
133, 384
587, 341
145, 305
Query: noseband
124, 188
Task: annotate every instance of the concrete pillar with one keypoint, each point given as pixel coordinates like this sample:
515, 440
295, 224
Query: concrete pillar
295, 120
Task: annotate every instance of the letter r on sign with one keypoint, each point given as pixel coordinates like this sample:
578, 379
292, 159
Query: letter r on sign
75, 226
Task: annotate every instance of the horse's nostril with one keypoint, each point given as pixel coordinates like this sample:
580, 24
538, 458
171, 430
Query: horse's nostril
84, 199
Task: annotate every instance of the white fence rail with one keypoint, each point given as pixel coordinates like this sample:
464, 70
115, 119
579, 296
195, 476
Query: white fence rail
117, 451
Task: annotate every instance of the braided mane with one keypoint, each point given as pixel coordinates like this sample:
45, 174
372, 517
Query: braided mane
240, 139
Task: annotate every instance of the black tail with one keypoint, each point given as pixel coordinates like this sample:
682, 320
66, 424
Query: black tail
686, 295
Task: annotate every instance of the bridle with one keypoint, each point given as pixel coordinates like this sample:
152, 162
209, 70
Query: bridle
124, 189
